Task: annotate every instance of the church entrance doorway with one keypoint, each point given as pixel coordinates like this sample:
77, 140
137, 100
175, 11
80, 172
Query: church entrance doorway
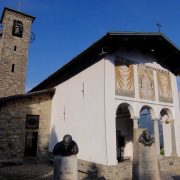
32, 126
31, 144
124, 133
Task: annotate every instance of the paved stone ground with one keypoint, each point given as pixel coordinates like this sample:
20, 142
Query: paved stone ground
44, 171
173, 174
27, 171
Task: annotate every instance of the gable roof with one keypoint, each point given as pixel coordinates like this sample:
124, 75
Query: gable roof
166, 52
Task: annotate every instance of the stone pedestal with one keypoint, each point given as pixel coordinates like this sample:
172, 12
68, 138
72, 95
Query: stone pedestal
65, 168
145, 165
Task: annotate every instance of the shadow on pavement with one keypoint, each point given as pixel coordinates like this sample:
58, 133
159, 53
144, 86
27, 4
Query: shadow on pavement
176, 177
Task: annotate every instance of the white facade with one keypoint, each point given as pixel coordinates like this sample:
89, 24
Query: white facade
78, 109
85, 107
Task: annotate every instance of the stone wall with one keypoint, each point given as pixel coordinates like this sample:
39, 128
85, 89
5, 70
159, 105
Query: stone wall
13, 54
12, 125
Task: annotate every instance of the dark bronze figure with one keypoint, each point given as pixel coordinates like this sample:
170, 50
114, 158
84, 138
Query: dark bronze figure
146, 139
67, 147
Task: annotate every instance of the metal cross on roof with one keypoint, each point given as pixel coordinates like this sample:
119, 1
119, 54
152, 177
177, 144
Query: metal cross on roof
64, 113
159, 26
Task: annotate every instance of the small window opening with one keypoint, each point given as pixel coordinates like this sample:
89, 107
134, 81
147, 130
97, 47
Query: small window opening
13, 67
15, 48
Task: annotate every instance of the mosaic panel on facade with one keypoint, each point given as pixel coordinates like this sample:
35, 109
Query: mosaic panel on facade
146, 83
164, 87
124, 79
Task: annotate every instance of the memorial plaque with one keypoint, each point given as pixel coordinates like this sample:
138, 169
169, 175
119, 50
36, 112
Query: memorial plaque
145, 165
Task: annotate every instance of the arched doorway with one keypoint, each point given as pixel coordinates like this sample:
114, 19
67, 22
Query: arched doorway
148, 121
146, 116
124, 132
165, 126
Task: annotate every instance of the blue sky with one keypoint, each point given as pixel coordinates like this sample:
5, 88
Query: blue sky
64, 28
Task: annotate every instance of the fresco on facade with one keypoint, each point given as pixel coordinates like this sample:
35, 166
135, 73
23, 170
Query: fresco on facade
146, 83
124, 79
164, 87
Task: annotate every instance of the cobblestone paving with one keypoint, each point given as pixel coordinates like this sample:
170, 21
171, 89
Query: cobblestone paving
27, 171
44, 171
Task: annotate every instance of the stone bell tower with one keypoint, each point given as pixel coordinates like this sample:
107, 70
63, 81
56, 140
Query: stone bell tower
14, 45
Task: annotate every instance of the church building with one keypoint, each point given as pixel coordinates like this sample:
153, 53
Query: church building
101, 93
99, 97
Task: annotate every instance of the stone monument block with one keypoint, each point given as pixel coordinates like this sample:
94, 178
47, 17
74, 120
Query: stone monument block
145, 164
65, 165
65, 168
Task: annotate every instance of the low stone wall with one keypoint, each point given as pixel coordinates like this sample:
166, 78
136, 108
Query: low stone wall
88, 170
168, 163
122, 171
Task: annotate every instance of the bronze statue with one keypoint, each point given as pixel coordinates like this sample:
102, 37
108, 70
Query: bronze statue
146, 139
67, 147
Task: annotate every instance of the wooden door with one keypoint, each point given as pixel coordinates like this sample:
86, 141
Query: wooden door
31, 144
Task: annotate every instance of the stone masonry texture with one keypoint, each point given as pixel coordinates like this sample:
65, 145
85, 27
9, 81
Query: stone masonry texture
12, 83
12, 126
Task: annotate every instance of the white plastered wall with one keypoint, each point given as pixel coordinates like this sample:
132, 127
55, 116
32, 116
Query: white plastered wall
81, 114
113, 101
176, 112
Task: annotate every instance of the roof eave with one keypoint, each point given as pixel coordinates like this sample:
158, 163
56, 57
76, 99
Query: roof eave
100, 43
27, 95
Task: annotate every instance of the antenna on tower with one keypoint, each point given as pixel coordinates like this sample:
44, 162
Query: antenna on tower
19, 5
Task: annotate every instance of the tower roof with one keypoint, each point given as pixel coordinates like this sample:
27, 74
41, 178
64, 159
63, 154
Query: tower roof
18, 12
